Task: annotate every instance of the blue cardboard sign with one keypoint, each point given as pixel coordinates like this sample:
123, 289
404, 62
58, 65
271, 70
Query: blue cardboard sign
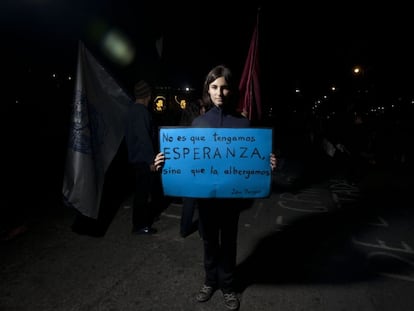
216, 162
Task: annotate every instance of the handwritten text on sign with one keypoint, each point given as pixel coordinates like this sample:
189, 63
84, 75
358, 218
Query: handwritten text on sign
216, 162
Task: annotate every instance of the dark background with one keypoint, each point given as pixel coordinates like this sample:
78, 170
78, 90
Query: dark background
309, 46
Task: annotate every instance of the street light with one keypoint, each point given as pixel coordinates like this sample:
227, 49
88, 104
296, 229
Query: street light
357, 70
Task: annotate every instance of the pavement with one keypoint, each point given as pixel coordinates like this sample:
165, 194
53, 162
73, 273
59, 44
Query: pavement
321, 244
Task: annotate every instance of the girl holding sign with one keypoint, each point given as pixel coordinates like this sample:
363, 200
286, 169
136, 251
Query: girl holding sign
219, 217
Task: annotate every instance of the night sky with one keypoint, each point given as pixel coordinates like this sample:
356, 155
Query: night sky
308, 45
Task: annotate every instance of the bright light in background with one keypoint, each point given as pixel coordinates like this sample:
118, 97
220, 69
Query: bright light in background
357, 70
118, 48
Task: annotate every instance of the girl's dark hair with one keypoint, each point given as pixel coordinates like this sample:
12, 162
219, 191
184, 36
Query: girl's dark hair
215, 73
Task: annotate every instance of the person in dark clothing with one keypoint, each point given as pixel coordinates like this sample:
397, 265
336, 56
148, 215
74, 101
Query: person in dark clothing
141, 141
219, 217
187, 224
194, 109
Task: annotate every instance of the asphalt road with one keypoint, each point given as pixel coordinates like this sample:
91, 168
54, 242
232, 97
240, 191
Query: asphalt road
320, 245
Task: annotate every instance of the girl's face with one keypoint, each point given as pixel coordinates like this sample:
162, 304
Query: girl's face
219, 91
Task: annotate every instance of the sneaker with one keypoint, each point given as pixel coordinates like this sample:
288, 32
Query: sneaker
205, 293
231, 301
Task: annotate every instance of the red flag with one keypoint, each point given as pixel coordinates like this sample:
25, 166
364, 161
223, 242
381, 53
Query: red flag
250, 102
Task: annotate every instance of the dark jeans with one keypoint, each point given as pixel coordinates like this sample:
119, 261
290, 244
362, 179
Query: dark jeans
219, 224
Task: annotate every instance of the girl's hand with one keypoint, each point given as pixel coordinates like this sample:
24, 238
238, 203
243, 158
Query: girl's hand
273, 161
159, 161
